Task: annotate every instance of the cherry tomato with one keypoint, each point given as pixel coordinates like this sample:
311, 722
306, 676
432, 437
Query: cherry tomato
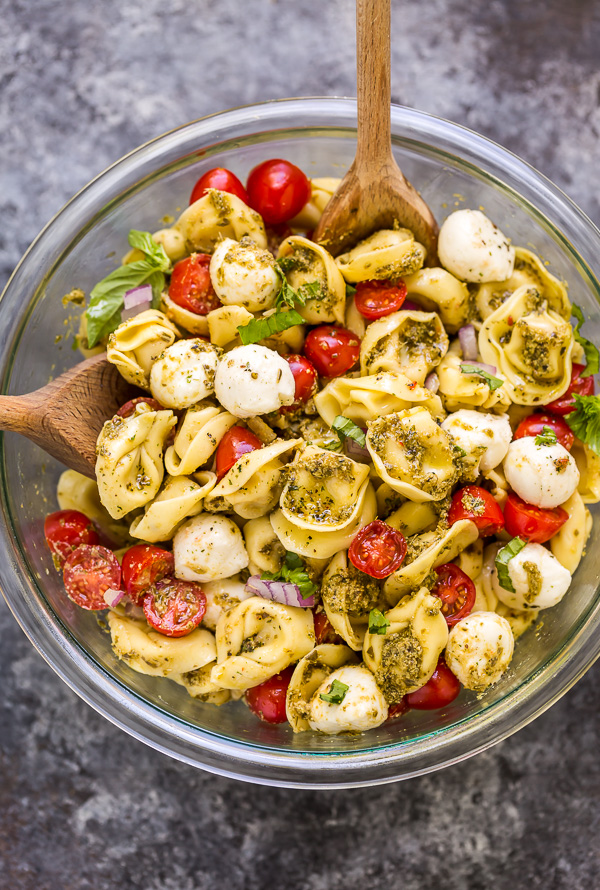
128, 409
88, 573
533, 523
277, 190
191, 287
582, 386
456, 591
221, 179
535, 423
267, 700
173, 607
441, 689
305, 378
324, 632
143, 565
476, 504
377, 549
398, 710
236, 442
333, 351
67, 529
374, 299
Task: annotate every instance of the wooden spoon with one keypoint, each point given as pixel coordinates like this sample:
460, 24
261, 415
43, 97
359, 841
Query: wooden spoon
66, 416
374, 193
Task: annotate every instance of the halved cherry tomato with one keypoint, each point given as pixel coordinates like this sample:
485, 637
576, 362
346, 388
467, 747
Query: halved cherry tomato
143, 565
221, 179
128, 409
456, 591
67, 529
333, 351
267, 700
377, 549
88, 573
235, 443
441, 689
278, 190
398, 710
305, 378
582, 386
374, 299
535, 423
476, 504
536, 524
173, 607
324, 632
191, 287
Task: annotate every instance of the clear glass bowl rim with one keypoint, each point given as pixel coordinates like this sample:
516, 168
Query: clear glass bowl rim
165, 732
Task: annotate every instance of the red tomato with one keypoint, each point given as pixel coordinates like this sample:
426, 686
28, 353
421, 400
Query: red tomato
277, 190
533, 523
324, 632
128, 408
305, 378
236, 442
221, 179
173, 607
143, 565
535, 423
583, 386
456, 591
377, 549
374, 299
191, 287
267, 700
476, 504
398, 710
333, 351
67, 529
441, 689
88, 573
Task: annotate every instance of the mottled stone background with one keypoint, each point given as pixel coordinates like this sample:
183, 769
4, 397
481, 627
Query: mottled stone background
82, 805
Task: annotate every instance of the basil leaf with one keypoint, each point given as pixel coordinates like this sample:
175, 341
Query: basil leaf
294, 571
286, 263
546, 437
350, 291
492, 382
154, 251
378, 623
261, 328
502, 560
333, 446
347, 429
592, 357
584, 420
336, 694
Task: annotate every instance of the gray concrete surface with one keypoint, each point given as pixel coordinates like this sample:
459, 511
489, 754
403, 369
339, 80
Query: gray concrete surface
84, 806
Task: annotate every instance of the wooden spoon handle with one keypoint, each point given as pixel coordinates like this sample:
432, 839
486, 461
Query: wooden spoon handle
373, 19
15, 414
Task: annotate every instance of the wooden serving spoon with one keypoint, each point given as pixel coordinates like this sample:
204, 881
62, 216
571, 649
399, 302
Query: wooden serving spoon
65, 416
374, 193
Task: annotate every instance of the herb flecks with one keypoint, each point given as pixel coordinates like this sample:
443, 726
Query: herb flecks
294, 571
337, 693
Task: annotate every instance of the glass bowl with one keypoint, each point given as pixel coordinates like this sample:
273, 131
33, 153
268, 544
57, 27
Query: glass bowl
450, 166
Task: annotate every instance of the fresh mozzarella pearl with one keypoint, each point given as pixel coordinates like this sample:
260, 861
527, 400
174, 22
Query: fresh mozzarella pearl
207, 548
471, 247
220, 596
479, 649
363, 707
543, 475
539, 579
485, 437
253, 380
184, 373
243, 274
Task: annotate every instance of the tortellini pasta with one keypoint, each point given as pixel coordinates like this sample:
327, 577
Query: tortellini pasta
348, 596
408, 341
179, 498
322, 188
221, 596
137, 343
308, 675
201, 430
588, 464
218, 215
265, 550
569, 542
185, 318
529, 271
77, 492
309, 267
388, 253
458, 390
439, 291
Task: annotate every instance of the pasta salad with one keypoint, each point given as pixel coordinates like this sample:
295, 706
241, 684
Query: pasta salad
343, 486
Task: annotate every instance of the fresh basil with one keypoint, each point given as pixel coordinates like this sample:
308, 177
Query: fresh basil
293, 570
546, 437
350, 291
336, 694
492, 382
592, 357
347, 429
378, 623
261, 328
502, 560
584, 420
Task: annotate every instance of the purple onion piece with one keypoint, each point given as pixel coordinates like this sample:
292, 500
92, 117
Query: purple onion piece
136, 300
468, 342
356, 451
410, 306
432, 382
113, 597
283, 592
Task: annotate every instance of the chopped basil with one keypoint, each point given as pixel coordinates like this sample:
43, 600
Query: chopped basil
592, 357
286, 263
347, 429
546, 437
336, 694
294, 571
261, 328
492, 382
378, 623
584, 420
350, 291
502, 560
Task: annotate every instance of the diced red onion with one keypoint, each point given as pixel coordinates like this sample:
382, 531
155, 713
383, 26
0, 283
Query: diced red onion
432, 382
468, 342
481, 366
136, 300
411, 307
355, 451
283, 592
132, 610
113, 597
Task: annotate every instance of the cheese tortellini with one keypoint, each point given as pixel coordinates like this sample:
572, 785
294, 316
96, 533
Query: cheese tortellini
348, 596
407, 341
376, 395
137, 343
312, 272
218, 215
388, 253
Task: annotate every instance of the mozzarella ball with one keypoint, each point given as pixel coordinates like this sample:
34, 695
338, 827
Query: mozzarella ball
479, 649
362, 708
539, 579
220, 596
184, 373
471, 247
243, 274
253, 380
207, 548
485, 437
543, 475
